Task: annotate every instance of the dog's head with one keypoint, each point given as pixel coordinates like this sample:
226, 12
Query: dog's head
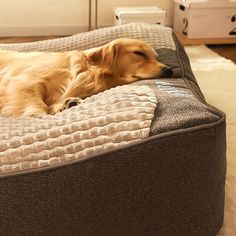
129, 58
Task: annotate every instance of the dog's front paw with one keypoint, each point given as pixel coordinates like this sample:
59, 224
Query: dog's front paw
71, 102
68, 103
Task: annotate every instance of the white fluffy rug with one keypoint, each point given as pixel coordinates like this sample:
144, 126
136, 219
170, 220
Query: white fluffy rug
217, 78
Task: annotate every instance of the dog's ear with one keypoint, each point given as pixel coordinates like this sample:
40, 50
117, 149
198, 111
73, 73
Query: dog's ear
95, 56
105, 56
110, 55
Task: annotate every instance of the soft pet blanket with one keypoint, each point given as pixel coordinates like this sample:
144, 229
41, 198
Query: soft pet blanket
110, 119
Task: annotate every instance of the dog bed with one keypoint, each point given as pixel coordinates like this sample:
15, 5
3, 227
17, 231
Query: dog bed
141, 159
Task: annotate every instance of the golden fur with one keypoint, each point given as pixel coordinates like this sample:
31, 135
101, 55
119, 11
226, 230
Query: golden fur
39, 83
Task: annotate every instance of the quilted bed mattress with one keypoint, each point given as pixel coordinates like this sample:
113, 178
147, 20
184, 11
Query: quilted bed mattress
146, 158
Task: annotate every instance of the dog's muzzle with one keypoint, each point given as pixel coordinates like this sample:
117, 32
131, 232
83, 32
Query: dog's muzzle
167, 72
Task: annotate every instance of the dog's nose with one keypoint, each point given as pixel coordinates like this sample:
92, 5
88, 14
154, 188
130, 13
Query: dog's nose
167, 72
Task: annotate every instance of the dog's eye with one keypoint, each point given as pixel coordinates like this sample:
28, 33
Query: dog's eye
140, 53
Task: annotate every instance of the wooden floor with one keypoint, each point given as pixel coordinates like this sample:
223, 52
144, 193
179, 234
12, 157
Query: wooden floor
226, 50
24, 39
226, 47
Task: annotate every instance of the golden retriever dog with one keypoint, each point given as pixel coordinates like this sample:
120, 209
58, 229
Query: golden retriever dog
39, 83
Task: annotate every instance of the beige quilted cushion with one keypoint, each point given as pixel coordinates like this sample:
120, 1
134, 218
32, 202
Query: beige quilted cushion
104, 121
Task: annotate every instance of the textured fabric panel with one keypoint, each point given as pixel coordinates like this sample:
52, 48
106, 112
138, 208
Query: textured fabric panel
178, 107
104, 121
179, 62
169, 58
167, 186
156, 35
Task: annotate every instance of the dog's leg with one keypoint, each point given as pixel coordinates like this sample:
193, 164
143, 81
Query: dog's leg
33, 107
81, 87
19, 99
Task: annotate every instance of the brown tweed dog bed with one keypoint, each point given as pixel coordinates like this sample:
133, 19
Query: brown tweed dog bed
148, 159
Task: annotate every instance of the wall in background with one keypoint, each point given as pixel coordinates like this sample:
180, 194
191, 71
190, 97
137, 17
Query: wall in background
42, 17
62, 17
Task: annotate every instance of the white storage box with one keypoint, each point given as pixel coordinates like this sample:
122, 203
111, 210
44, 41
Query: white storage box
125, 15
205, 18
